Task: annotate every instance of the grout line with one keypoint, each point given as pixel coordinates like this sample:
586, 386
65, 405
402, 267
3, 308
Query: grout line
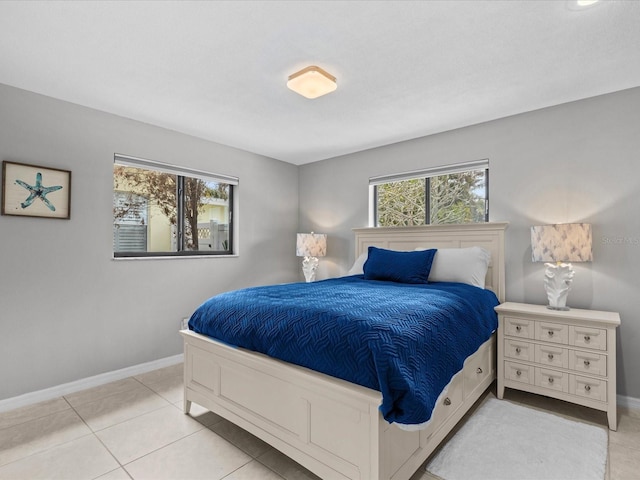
252, 460
108, 394
131, 418
110, 452
51, 447
120, 393
124, 465
96, 436
31, 398
36, 417
257, 459
160, 448
114, 470
93, 432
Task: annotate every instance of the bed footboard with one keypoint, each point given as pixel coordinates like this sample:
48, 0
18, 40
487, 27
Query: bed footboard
328, 425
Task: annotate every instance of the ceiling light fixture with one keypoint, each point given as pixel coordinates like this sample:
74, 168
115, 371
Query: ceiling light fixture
312, 82
582, 5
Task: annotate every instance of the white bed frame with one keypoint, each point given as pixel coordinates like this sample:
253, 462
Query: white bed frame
330, 426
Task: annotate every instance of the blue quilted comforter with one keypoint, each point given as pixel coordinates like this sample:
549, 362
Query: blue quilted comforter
406, 341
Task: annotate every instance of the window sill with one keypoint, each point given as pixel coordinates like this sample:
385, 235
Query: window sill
173, 257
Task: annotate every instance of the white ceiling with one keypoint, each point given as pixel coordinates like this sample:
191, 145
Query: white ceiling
405, 69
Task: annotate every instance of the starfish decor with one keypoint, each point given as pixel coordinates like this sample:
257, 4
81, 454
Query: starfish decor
38, 191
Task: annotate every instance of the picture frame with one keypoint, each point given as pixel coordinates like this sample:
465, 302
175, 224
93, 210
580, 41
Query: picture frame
34, 191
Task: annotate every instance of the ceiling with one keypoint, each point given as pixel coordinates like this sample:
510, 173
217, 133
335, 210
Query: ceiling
218, 70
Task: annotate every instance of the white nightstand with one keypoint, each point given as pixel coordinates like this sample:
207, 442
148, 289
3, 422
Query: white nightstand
569, 355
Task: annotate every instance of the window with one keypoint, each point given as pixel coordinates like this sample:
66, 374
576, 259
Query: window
450, 194
161, 210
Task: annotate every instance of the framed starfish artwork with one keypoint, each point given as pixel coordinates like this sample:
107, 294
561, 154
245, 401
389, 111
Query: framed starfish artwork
32, 191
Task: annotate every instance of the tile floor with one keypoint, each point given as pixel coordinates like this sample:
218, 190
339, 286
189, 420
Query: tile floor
135, 429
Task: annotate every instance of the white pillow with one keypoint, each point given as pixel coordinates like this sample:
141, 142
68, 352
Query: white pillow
463, 265
358, 265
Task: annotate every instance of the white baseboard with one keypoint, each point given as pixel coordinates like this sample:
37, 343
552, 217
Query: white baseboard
628, 402
97, 380
85, 383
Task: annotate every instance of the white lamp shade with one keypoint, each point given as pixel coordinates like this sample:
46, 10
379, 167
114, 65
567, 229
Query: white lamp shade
566, 242
311, 244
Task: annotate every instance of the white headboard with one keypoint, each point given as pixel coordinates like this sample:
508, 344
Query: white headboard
486, 235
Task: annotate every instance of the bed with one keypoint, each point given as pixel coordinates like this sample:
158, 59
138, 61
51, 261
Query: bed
331, 426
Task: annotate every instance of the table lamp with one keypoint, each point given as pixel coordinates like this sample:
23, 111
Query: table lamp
310, 246
561, 243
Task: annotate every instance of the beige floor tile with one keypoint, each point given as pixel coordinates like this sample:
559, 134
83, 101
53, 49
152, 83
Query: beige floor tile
558, 407
118, 474
203, 455
102, 391
160, 374
200, 414
117, 408
631, 412
40, 434
83, 458
136, 423
580, 413
286, 467
242, 439
141, 435
169, 388
628, 433
252, 471
624, 462
31, 412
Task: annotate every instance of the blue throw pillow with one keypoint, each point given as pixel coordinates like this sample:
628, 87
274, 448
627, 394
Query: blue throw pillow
401, 267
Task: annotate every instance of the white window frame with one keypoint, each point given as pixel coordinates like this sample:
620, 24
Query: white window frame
426, 173
136, 162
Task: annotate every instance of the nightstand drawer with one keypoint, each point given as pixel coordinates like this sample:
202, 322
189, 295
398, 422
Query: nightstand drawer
519, 350
588, 337
552, 356
552, 332
518, 372
552, 379
589, 388
518, 327
587, 362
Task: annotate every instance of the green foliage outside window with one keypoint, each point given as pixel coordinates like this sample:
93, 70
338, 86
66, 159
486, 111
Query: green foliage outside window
451, 198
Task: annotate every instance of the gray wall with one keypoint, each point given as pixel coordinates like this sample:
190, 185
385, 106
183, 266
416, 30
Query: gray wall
67, 310
576, 162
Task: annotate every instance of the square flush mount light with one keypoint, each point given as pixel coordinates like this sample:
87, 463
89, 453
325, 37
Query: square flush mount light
581, 4
312, 82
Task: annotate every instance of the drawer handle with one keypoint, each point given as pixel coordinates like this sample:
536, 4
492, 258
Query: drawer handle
587, 363
550, 356
587, 338
518, 328
518, 372
551, 333
479, 371
447, 401
587, 388
550, 379
518, 350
